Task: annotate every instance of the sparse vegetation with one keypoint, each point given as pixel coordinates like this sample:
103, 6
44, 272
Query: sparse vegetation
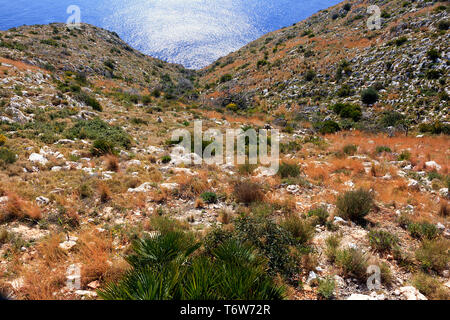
355, 205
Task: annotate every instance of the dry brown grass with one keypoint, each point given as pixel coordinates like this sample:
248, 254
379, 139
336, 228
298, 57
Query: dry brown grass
248, 192
17, 208
94, 254
104, 192
49, 250
444, 209
43, 282
317, 173
112, 163
191, 186
199, 203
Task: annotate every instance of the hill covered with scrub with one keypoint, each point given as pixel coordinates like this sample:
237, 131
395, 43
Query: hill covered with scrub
89, 185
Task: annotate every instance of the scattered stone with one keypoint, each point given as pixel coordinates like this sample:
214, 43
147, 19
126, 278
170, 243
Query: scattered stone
69, 244
38, 158
145, 187
411, 293
42, 201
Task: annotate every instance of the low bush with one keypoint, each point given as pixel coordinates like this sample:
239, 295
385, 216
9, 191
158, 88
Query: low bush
102, 147
271, 240
332, 245
354, 205
7, 157
248, 192
166, 268
430, 287
352, 263
320, 214
348, 111
369, 96
434, 255
302, 230
209, 197
289, 170
382, 241
89, 100
97, 129
381, 149
423, 230
166, 159
326, 288
350, 149
327, 127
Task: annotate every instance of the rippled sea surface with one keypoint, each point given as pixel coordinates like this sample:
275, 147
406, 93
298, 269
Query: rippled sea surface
191, 32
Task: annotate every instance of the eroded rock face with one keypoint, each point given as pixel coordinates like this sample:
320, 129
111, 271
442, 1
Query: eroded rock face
17, 115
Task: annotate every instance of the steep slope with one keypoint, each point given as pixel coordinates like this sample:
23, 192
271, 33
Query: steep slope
332, 57
91, 51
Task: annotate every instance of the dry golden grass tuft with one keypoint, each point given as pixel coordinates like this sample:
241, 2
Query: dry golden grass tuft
112, 163
49, 250
104, 192
17, 208
248, 192
43, 282
199, 203
94, 253
191, 186
444, 209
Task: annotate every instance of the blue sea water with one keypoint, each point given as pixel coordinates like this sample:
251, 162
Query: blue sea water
191, 32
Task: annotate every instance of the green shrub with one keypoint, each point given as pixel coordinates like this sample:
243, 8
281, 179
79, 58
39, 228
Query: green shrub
288, 170
443, 25
271, 240
226, 78
209, 197
434, 255
96, 129
345, 91
400, 41
326, 288
320, 213
434, 128
327, 127
369, 96
430, 287
348, 111
7, 156
352, 263
404, 156
310, 75
166, 159
350, 149
302, 230
50, 42
381, 149
332, 245
102, 147
354, 205
433, 74
423, 230
382, 241
89, 100
433, 54
391, 119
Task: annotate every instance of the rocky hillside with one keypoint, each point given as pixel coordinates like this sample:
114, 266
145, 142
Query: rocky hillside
302, 71
91, 52
87, 163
